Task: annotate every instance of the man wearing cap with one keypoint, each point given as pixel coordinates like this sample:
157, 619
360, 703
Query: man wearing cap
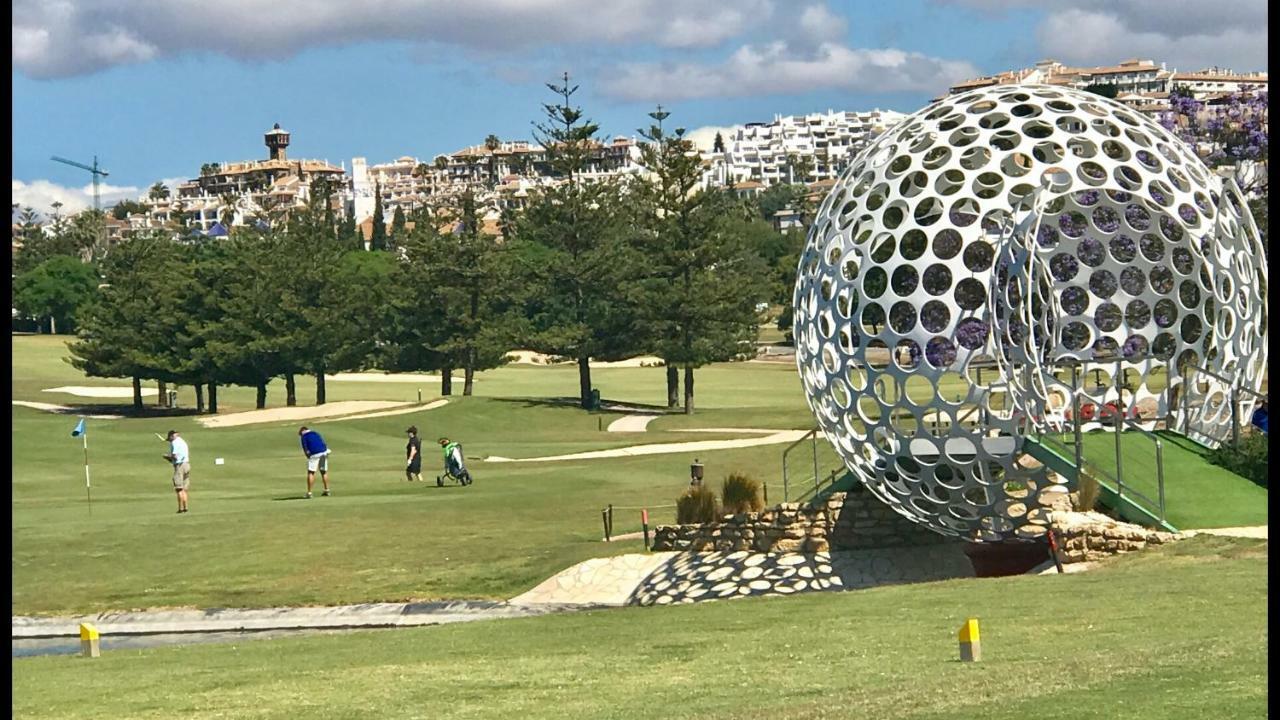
317, 458
413, 455
180, 458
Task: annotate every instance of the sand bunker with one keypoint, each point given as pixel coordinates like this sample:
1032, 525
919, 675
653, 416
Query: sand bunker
383, 377
779, 437
528, 357
99, 392
398, 411
310, 412
632, 423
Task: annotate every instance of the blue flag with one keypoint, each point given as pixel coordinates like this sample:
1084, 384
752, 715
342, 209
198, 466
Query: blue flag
79, 429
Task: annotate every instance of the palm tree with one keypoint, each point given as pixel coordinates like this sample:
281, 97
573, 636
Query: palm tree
492, 143
158, 191
227, 213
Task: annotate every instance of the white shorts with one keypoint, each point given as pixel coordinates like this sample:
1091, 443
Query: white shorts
318, 462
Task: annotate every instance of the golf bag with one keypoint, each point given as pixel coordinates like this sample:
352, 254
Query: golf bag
454, 470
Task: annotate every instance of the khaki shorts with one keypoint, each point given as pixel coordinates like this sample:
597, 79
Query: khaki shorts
318, 462
181, 476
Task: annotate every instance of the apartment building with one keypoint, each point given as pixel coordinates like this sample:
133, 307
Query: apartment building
795, 149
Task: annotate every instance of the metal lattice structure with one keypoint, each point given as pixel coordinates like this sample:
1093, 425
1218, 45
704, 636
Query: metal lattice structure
983, 242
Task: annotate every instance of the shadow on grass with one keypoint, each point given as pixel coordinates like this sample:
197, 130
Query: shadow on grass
605, 405
128, 411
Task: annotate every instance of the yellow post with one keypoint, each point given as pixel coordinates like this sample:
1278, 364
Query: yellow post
970, 642
89, 640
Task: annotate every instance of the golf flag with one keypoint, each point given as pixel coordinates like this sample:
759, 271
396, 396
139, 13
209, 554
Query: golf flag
79, 429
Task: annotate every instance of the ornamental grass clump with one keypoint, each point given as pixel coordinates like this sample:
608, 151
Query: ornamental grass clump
740, 494
696, 505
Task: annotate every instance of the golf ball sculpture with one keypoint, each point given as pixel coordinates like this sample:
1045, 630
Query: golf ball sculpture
981, 248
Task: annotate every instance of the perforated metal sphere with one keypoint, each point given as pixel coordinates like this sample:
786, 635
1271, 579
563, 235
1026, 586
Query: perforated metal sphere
987, 241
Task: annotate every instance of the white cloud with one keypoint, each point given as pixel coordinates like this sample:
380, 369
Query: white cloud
704, 138
57, 38
780, 68
1187, 34
41, 194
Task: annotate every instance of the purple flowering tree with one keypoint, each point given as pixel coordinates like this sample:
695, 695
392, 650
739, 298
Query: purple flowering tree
1231, 133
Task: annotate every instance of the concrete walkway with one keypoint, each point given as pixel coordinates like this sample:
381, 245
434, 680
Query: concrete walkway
369, 615
777, 438
631, 423
599, 581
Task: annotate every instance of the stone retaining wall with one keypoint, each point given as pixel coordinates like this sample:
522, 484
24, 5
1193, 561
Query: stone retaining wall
1093, 536
855, 520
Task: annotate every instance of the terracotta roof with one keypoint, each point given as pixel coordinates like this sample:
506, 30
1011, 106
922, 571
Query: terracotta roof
1144, 66
748, 185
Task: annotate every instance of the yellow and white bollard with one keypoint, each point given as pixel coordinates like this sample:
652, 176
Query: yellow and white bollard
89, 640
970, 643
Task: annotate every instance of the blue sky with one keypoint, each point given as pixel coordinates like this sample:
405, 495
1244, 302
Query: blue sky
154, 88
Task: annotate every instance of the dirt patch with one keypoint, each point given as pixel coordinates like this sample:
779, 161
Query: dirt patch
310, 412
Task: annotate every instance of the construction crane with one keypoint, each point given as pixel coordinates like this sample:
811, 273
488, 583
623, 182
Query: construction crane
95, 171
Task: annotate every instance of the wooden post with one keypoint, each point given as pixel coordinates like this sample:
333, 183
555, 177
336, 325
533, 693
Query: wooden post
604, 520
970, 643
419, 396
644, 521
89, 641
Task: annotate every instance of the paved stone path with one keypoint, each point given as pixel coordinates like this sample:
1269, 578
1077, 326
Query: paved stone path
778, 437
631, 423
599, 581
367, 615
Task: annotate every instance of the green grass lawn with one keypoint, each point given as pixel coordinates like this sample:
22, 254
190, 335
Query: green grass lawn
1198, 494
1175, 632
250, 541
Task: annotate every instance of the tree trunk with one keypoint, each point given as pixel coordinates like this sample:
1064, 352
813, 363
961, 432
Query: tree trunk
213, 398
446, 381
688, 389
320, 387
137, 393
53, 325
584, 381
673, 386
262, 396
468, 379
199, 398
162, 389
290, 390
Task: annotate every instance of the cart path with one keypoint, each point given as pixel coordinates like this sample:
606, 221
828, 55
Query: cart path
778, 437
632, 423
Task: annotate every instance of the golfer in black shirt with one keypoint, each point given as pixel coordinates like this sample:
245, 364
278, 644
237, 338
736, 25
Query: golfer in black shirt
413, 455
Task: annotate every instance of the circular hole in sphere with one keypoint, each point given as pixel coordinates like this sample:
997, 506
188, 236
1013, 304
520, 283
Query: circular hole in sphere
1123, 249
905, 280
1105, 348
1090, 252
874, 282
902, 317
1107, 317
1134, 348
940, 352
1189, 294
978, 256
1047, 236
1072, 224
935, 316
913, 244
1106, 219
1102, 283
1074, 300
1191, 328
1183, 262
1137, 314
1075, 336
1165, 313
970, 294
1132, 281
1063, 267
907, 353
946, 244
971, 333
937, 279
1152, 247
1161, 280
1164, 346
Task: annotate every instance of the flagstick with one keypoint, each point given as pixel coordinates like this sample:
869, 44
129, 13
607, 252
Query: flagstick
87, 492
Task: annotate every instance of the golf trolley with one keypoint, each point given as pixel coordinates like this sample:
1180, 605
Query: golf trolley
454, 471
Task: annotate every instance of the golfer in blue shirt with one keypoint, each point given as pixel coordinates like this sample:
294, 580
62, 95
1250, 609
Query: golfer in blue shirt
317, 458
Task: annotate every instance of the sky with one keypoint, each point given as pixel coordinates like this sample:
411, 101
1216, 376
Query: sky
155, 88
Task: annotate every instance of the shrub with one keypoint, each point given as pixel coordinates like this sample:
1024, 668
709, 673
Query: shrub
1087, 492
740, 494
1248, 459
696, 505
